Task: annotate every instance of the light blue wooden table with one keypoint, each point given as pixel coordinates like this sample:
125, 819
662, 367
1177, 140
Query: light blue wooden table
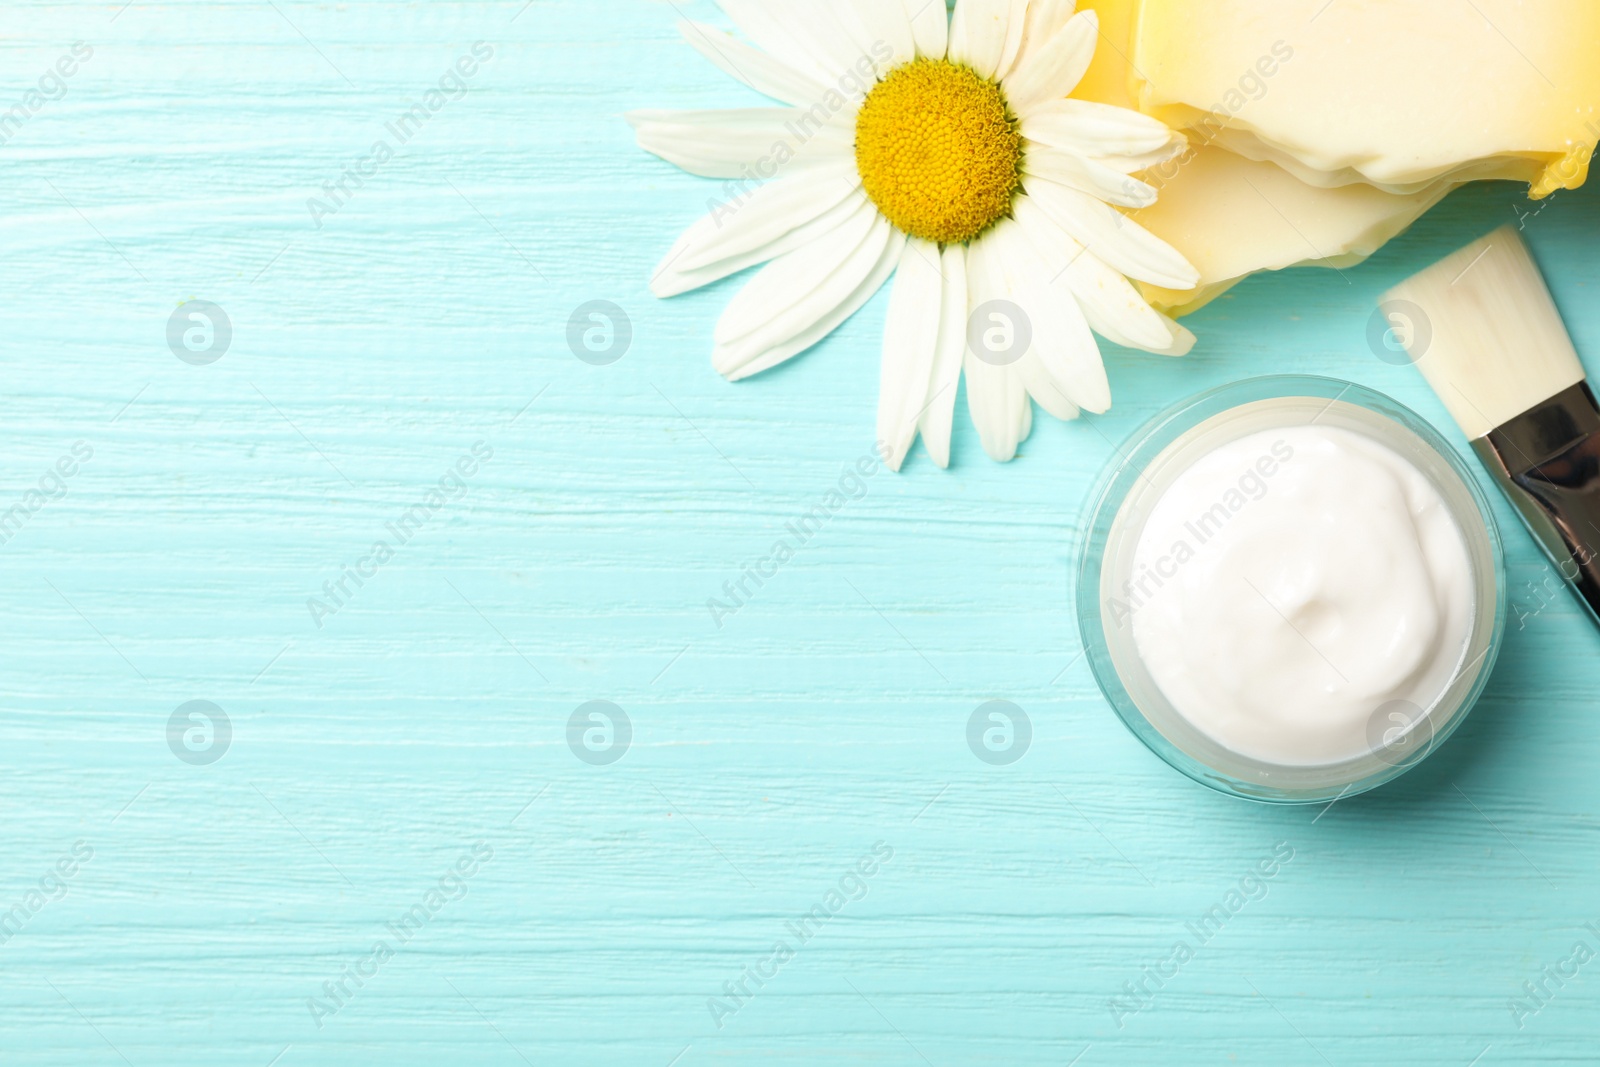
410, 755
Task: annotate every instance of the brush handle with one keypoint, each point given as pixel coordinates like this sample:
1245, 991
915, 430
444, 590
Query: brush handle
1547, 461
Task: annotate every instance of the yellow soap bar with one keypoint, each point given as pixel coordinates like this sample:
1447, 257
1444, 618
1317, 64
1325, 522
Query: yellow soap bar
1232, 217
1395, 93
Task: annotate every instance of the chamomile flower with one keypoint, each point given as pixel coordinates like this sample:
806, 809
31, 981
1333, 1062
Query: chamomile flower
941, 149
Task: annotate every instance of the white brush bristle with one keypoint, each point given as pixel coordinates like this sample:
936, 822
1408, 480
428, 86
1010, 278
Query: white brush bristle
1489, 338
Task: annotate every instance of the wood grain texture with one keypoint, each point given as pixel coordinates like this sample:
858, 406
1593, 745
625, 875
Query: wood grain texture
430, 712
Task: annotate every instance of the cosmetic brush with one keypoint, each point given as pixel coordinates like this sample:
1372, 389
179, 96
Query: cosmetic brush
1486, 334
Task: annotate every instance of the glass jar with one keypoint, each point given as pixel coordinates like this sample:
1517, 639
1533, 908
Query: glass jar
1148, 464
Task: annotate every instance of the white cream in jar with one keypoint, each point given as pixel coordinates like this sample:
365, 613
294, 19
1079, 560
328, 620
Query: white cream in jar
1289, 585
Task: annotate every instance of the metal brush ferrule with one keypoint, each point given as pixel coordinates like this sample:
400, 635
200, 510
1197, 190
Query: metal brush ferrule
1547, 461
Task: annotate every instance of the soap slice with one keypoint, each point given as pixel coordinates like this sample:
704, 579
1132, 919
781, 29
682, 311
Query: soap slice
1232, 217
1396, 93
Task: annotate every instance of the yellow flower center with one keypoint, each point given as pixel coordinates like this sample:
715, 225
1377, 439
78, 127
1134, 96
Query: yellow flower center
937, 150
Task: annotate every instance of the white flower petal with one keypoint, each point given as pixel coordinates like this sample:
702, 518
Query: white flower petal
871, 33
1045, 20
1116, 311
1043, 387
1120, 242
940, 403
875, 278
767, 213
812, 28
1085, 175
1094, 129
1176, 145
1112, 321
773, 305
1016, 24
886, 21
930, 26
1182, 340
1113, 307
910, 337
1055, 69
671, 278
766, 24
978, 34
856, 41
1061, 336
755, 68
740, 142
995, 394
1120, 316
794, 292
